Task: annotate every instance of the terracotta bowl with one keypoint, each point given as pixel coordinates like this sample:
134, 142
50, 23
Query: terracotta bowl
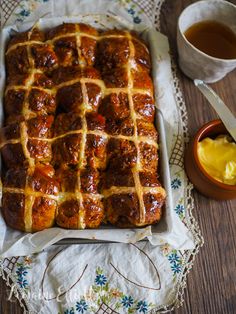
201, 180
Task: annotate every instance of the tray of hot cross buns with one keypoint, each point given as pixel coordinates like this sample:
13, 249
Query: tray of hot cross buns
82, 141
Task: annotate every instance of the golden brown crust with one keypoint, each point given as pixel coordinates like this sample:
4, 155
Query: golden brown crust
40, 189
31, 135
34, 35
80, 102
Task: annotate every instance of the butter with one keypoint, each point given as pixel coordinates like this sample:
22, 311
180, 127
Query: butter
218, 158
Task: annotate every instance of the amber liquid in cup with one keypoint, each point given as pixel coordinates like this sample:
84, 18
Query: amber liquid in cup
213, 38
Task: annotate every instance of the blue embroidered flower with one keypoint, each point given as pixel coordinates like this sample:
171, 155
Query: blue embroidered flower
137, 20
142, 307
71, 311
24, 12
179, 209
100, 280
81, 306
176, 183
176, 268
21, 271
173, 258
22, 282
131, 11
127, 301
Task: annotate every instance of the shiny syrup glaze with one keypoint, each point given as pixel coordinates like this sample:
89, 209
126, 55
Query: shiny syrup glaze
105, 59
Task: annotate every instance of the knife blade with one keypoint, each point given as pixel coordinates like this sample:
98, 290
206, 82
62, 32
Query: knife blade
220, 107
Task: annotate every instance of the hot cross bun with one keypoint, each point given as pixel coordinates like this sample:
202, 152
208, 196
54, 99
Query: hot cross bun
79, 144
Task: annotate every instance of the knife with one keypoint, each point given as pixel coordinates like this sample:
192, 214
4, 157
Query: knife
221, 109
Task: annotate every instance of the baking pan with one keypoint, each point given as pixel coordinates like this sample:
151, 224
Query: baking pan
108, 233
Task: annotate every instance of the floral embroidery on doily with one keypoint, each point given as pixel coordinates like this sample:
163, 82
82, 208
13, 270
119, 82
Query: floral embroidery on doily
21, 272
103, 295
179, 209
176, 262
25, 8
175, 259
176, 183
133, 10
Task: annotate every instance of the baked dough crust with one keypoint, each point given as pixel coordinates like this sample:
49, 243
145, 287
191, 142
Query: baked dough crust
79, 145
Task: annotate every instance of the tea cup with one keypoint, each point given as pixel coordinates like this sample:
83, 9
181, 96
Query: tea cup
192, 61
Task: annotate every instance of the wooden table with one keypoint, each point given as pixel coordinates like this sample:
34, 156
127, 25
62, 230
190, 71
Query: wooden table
211, 287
